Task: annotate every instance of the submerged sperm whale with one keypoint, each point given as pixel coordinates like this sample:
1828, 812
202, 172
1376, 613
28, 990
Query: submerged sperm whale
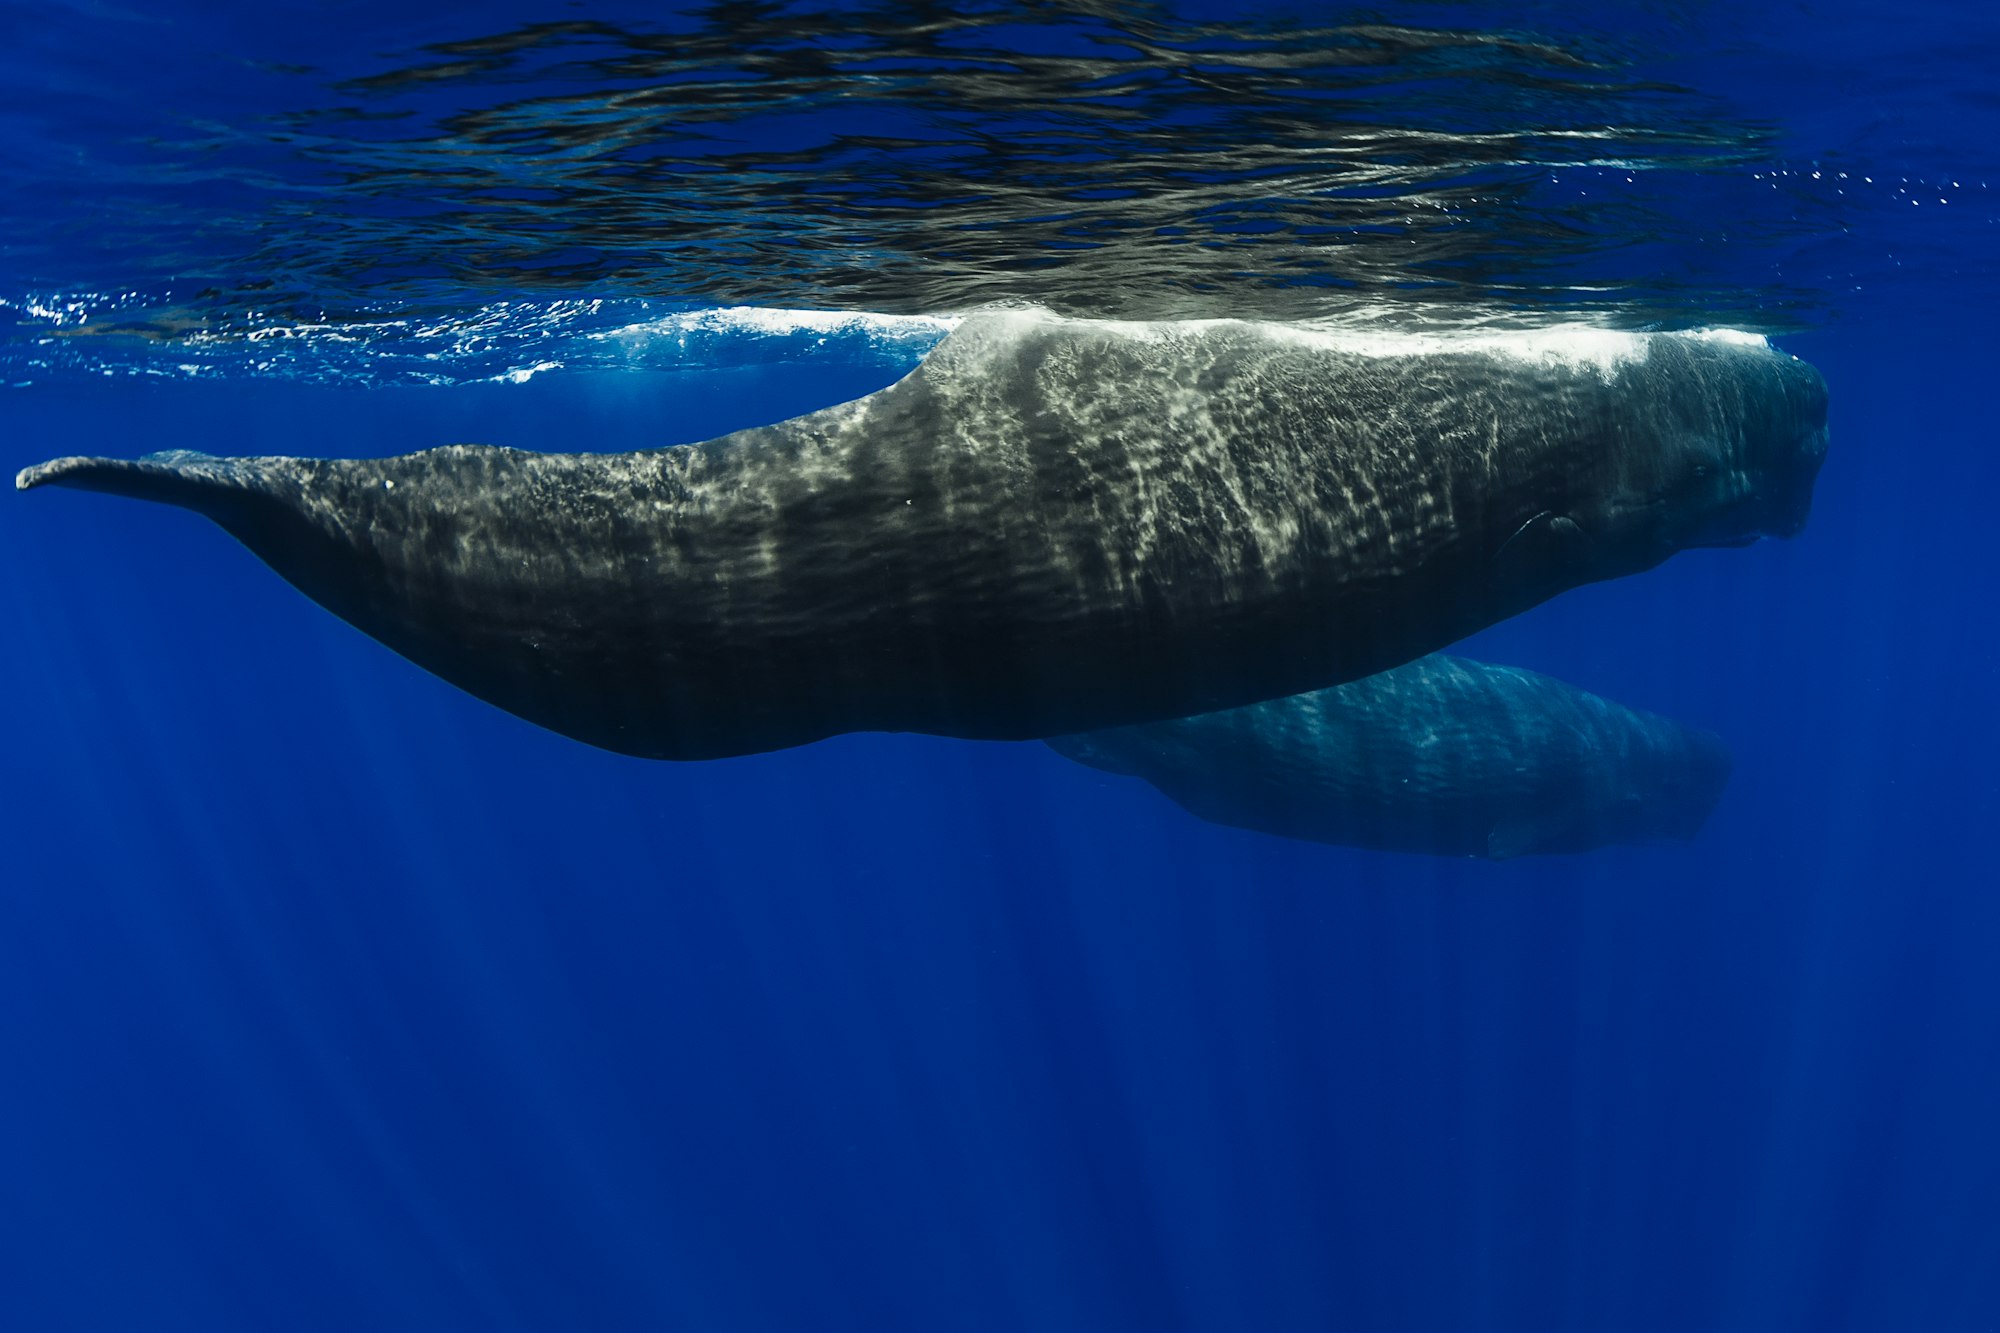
1049, 526
1441, 755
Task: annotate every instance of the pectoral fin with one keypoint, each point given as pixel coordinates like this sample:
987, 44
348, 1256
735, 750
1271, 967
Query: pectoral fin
1541, 550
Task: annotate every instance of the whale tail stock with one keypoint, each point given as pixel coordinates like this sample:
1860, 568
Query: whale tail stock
201, 482
278, 507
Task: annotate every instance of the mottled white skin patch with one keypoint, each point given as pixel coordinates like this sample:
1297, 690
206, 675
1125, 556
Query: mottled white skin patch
1050, 526
1443, 756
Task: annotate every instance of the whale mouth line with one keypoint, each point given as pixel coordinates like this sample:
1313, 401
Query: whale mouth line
1776, 512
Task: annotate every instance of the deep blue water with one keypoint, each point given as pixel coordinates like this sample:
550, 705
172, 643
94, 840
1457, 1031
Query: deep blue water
331, 998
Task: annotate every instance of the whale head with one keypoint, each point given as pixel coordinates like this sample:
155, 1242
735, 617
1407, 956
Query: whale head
1649, 779
1739, 433
1674, 776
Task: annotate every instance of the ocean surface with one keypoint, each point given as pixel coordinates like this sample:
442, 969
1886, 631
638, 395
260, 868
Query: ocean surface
332, 998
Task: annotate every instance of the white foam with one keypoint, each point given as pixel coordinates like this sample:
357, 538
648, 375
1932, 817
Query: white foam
1578, 344
774, 322
515, 341
1735, 337
522, 374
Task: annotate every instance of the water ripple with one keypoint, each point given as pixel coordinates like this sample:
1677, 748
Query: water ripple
1095, 157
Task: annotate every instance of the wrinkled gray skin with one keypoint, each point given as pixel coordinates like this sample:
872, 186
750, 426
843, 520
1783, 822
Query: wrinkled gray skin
1442, 755
1050, 526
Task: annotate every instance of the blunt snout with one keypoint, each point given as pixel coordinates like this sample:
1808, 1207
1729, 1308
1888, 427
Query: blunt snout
1768, 465
1787, 449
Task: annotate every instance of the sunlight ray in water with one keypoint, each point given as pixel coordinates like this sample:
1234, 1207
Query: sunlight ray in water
1622, 959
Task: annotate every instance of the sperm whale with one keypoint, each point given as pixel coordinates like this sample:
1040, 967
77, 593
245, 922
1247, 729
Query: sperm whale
1442, 755
1049, 526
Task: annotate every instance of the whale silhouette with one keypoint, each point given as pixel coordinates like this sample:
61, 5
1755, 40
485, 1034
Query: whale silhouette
1050, 526
1442, 755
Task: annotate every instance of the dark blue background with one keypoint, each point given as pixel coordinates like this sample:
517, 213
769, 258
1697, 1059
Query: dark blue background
332, 999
